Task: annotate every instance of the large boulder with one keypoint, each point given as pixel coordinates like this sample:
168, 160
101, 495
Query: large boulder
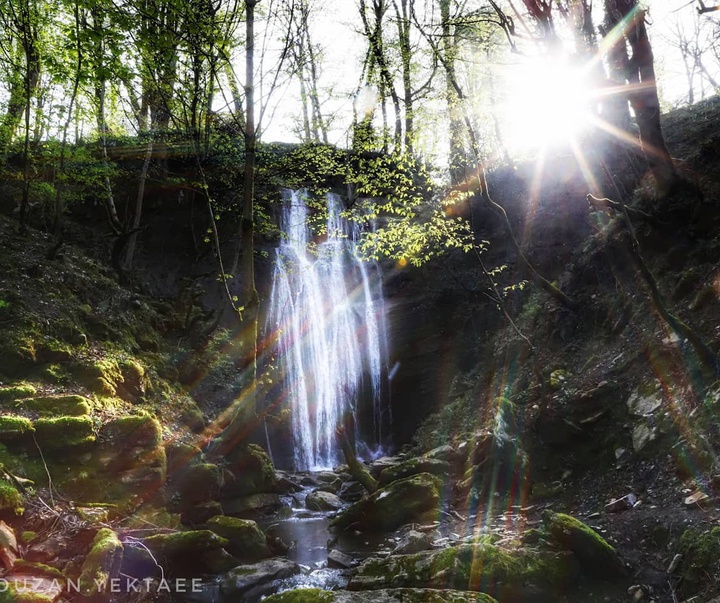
192, 553
247, 541
248, 581
252, 472
322, 501
412, 467
512, 575
102, 563
395, 595
401, 502
596, 555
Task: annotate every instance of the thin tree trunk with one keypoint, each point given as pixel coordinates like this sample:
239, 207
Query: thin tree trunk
132, 239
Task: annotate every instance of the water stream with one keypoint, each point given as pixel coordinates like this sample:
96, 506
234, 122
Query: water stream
327, 316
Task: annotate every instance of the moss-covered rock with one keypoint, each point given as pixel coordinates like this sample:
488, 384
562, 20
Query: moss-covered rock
194, 484
14, 428
395, 595
506, 574
191, 553
413, 467
252, 472
10, 498
99, 376
132, 431
63, 405
400, 502
245, 578
102, 563
64, 432
597, 556
247, 541
9, 393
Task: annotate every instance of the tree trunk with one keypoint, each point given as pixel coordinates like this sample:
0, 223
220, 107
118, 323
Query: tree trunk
640, 74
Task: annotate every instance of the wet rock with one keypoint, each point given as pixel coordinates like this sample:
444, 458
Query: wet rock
621, 504
252, 505
102, 563
339, 560
247, 542
595, 554
395, 595
413, 467
520, 574
191, 553
285, 485
251, 470
246, 579
413, 542
398, 503
322, 501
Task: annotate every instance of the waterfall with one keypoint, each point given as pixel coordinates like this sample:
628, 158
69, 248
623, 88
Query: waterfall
326, 314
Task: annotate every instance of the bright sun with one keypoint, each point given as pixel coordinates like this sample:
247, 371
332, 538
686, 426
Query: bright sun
549, 103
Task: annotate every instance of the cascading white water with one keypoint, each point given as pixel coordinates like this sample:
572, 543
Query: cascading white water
327, 313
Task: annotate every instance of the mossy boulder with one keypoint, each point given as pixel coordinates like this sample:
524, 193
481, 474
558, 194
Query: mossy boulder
101, 564
63, 405
14, 429
319, 500
245, 581
413, 467
191, 553
596, 555
197, 483
101, 376
10, 498
513, 575
395, 595
30, 586
252, 472
247, 541
10, 393
63, 433
131, 442
401, 502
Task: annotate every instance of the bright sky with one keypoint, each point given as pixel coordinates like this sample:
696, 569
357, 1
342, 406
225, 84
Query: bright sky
334, 26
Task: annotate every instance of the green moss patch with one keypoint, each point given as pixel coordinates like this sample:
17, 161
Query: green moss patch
133, 431
9, 393
507, 574
63, 405
102, 562
13, 428
597, 556
400, 502
247, 542
701, 557
10, 498
191, 553
64, 432
302, 595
